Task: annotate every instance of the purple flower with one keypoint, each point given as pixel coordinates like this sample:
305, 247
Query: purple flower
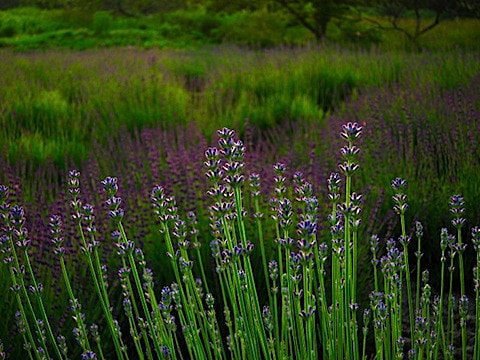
400, 199
457, 209
279, 169
17, 216
165, 351
74, 183
212, 154
298, 178
351, 131
399, 185
89, 355
356, 199
476, 237
226, 133
349, 152
457, 202
273, 270
285, 213
418, 229
55, 223
348, 168
255, 184
306, 228
74, 174
334, 182
3, 194
374, 243
110, 185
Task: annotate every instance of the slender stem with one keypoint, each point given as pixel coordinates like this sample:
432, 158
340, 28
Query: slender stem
99, 349
476, 350
202, 269
105, 307
262, 247
25, 295
450, 305
409, 284
417, 293
462, 291
77, 314
440, 329
137, 314
364, 346
460, 260
143, 301
23, 314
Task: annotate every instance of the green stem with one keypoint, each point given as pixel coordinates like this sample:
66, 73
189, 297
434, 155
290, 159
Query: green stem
440, 329
42, 307
417, 293
78, 317
262, 248
409, 284
460, 260
476, 350
141, 294
23, 314
450, 305
106, 309
137, 315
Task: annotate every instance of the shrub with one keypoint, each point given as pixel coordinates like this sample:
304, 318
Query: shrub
358, 33
102, 22
8, 29
258, 29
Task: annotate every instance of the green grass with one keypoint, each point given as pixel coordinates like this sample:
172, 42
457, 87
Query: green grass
31, 28
55, 104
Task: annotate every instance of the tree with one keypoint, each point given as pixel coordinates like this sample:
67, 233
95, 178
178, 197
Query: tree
7, 4
229, 6
315, 15
395, 10
132, 8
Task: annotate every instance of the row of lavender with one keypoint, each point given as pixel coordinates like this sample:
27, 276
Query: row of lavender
432, 138
429, 137
312, 307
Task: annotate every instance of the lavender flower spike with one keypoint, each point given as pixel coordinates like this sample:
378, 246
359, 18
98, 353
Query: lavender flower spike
351, 131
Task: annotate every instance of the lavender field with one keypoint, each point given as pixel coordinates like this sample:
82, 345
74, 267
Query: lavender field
226, 203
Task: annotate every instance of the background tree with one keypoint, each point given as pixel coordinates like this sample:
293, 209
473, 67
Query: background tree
143, 7
230, 6
394, 11
315, 15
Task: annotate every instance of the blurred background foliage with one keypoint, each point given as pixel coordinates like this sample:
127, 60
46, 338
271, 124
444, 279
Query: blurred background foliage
80, 24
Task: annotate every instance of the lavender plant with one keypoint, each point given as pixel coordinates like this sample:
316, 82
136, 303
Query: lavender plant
311, 309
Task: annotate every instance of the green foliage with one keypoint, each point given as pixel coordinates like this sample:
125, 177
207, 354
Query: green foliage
315, 16
426, 16
8, 28
64, 100
259, 28
354, 32
102, 22
81, 28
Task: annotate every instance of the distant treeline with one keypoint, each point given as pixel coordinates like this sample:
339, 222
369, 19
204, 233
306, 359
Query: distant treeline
313, 15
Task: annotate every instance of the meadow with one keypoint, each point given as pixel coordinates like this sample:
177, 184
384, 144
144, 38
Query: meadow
338, 220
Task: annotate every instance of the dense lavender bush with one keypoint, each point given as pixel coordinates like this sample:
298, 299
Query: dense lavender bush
310, 307
424, 132
54, 103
